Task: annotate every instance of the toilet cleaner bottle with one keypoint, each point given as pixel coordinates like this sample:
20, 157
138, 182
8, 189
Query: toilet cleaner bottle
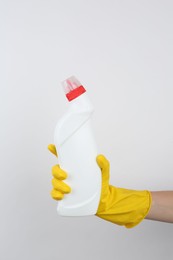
77, 151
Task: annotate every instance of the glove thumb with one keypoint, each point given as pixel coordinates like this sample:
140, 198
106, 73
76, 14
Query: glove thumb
104, 165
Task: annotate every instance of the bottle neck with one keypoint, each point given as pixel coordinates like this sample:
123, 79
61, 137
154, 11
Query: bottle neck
81, 104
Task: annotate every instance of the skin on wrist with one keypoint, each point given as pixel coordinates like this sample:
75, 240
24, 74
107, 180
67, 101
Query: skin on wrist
161, 207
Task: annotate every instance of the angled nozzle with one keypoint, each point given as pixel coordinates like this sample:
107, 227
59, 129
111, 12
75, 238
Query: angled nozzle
72, 88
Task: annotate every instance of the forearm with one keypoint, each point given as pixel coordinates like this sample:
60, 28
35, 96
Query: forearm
161, 207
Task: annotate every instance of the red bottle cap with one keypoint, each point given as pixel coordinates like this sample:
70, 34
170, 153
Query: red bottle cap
73, 88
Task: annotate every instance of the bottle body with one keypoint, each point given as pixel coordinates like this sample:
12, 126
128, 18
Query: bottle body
77, 151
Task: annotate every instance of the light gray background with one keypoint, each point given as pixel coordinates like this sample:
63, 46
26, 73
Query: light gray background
122, 53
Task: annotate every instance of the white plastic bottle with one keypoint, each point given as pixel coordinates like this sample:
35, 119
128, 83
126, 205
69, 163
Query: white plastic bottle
77, 153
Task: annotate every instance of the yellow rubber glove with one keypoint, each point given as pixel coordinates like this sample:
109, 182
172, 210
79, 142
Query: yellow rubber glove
117, 205
59, 187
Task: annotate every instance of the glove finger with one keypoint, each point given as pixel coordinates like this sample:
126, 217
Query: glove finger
104, 165
60, 186
58, 173
52, 149
56, 195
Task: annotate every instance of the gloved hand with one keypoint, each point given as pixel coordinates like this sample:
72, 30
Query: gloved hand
117, 205
59, 187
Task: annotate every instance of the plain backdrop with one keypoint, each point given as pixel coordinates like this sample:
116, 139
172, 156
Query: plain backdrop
122, 53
